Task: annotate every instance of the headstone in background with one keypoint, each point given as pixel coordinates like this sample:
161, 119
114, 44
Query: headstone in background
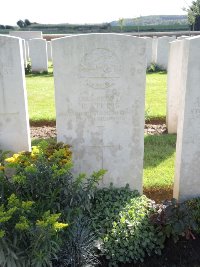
187, 170
174, 85
38, 55
149, 42
154, 49
100, 91
49, 50
163, 51
14, 121
27, 35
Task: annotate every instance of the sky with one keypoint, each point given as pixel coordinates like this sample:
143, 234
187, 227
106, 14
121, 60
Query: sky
85, 11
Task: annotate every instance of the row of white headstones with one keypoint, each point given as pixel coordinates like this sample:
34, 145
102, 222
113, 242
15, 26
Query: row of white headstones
39, 51
99, 95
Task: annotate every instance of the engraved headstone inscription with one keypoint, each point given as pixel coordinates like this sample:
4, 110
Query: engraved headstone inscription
14, 122
99, 91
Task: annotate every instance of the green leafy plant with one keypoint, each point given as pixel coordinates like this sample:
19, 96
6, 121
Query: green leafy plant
120, 218
43, 179
193, 205
174, 220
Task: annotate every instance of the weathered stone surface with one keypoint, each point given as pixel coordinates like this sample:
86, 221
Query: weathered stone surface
187, 173
154, 48
38, 55
24, 52
174, 84
14, 122
99, 90
163, 51
49, 51
26, 35
149, 42
182, 37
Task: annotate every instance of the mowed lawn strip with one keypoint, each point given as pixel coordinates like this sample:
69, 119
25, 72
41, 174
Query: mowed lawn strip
41, 103
159, 159
156, 93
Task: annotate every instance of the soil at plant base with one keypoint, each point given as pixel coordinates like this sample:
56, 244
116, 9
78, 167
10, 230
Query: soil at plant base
49, 131
158, 194
184, 253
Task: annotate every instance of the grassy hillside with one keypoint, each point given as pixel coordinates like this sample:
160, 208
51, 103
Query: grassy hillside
147, 23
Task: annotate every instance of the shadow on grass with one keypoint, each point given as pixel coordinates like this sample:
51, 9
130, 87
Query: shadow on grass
37, 74
43, 122
158, 148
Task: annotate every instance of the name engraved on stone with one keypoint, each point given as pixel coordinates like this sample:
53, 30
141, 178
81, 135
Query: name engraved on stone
100, 69
99, 116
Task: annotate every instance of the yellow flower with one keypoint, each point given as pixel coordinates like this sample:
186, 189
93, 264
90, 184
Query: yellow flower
2, 168
59, 226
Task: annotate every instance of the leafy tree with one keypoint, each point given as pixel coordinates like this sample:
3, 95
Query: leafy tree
20, 23
121, 23
194, 15
27, 22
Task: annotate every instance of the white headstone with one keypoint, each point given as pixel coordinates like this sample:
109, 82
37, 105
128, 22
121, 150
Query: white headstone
26, 35
38, 55
187, 172
149, 42
14, 122
182, 37
174, 84
24, 52
154, 48
163, 51
49, 51
99, 90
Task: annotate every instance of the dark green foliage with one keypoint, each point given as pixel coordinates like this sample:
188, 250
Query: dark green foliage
174, 220
154, 68
194, 15
78, 247
27, 22
194, 206
28, 69
120, 217
21, 23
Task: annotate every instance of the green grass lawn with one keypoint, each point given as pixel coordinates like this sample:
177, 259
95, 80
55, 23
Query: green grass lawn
159, 153
40, 91
155, 104
159, 157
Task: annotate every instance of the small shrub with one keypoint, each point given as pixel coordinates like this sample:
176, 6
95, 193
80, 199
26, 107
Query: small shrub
28, 69
194, 206
121, 219
153, 68
45, 196
174, 220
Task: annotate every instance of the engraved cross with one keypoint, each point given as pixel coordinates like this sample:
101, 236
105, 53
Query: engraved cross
102, 147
